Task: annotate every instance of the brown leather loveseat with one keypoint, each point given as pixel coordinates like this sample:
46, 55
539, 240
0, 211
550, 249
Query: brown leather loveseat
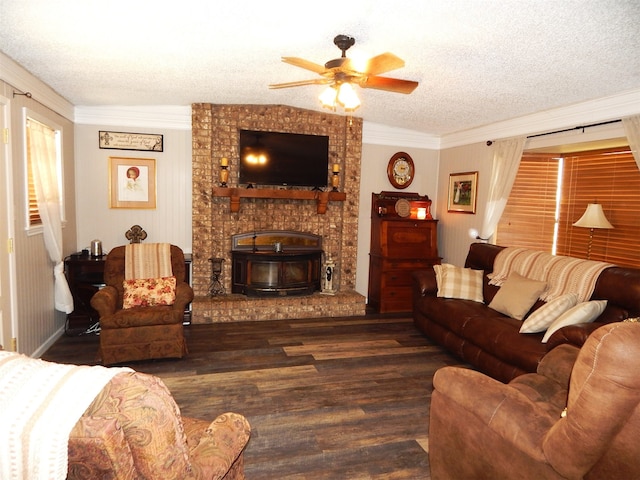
491, 341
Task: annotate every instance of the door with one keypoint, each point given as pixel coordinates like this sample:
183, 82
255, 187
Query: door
7, 261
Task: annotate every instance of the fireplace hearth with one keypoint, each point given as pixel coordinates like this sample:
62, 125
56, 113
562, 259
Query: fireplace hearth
276, 263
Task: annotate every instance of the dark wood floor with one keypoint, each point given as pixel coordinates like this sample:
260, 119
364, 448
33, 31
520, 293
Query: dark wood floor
326, 398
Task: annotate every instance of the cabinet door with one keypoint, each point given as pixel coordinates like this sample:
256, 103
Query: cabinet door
411, 239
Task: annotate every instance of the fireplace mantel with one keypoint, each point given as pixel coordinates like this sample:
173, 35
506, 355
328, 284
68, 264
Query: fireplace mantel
321, 198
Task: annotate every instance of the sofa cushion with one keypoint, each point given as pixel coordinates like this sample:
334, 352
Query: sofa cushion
517, 295
149, 292
544, 316
460, 283
584, 312
498, 335
453, 313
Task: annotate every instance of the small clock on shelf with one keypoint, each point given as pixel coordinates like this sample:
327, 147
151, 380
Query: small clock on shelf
400, 170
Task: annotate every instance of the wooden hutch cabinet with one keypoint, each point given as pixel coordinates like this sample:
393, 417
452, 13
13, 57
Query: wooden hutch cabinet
403, 239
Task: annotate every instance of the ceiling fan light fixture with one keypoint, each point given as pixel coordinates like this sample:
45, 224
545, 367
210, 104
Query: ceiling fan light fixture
328, 98
347, 97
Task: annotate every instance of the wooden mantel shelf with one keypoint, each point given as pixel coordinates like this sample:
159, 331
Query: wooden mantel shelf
235, 194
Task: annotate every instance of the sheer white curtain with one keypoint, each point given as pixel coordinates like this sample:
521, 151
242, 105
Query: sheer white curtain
632, 130
42, 144
506, 160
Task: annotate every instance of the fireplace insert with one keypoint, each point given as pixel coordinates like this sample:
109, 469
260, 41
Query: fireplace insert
276, 263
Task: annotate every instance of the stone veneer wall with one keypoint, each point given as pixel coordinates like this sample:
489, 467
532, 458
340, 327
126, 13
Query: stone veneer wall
216, 135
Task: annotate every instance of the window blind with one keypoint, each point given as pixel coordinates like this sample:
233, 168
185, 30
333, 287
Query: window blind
612, 179
529, 217
609, 177
33, 213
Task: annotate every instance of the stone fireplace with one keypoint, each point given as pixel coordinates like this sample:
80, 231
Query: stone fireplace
216, 135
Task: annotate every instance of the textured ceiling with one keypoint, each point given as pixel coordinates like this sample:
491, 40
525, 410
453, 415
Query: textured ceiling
478, 61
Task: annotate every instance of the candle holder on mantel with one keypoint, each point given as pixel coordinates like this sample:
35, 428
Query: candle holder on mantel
215, 287
224, 171
335, 179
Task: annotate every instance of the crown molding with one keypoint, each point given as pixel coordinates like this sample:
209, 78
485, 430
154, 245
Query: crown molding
175, 117
604, 109
378, 134
613, 107
20, 79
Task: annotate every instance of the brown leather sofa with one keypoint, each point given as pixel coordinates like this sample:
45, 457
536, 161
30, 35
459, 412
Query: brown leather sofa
491, 341
576, 418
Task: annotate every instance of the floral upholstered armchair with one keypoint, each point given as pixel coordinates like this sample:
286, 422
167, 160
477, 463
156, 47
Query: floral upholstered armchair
134, 430
140, 331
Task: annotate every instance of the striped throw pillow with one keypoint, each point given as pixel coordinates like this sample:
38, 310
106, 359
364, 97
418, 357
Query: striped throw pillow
544, 316
461, 283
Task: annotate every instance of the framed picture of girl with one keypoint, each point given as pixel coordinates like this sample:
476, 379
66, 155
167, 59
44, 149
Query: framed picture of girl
462, 192
132, 182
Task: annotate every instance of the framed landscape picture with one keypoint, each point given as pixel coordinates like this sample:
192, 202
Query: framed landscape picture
462, 192
132, 182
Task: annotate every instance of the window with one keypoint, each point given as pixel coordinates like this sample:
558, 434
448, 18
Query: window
551, 192
34, 219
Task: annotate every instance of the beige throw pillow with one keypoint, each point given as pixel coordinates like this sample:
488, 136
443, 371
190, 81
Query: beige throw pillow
461, 283
585, 312
540, 320
517, 295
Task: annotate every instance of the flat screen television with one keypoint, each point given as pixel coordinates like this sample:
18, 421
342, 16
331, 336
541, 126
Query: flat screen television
290, 159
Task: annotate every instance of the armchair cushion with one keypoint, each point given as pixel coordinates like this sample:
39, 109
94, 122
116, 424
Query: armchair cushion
149, 292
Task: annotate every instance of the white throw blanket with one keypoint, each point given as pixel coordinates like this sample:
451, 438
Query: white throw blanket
562, 274
40, 402
147, 260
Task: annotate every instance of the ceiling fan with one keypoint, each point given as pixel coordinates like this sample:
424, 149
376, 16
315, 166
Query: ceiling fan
341, 73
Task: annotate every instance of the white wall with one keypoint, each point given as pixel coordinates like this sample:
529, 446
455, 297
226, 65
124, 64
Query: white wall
454, 243
169, 222
34, 322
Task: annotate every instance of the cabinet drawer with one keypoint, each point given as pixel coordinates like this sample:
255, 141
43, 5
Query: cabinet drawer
408, 239
407, 264
398, 299
396, 278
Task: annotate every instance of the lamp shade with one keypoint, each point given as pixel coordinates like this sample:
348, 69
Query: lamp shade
593, 217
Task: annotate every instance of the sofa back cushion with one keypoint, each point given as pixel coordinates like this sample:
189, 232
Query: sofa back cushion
619, 285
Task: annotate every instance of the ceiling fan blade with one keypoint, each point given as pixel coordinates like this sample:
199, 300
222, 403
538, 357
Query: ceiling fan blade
306, 64
300, 83
389, 84
383, 63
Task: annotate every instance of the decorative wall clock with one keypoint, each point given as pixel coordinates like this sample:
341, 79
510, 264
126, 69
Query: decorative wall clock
400, 170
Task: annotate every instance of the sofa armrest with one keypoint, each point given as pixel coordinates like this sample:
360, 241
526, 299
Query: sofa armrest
572, 334
98, 449
502, 408
184, 295
220, 446
105, 301
425, 282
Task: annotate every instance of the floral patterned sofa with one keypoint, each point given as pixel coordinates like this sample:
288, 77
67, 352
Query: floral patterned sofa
133, 430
